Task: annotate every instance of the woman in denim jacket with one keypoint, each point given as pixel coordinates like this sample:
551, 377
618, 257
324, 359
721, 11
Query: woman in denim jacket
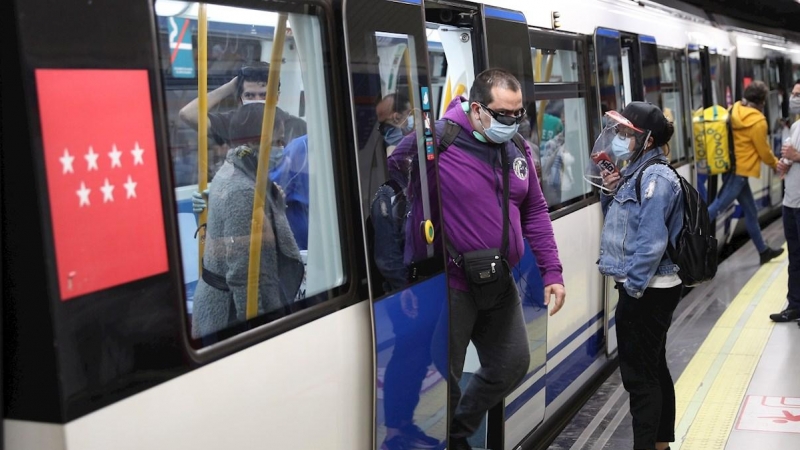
633, 250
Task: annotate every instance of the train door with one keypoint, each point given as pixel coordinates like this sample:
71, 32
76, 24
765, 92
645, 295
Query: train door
463, 40
627, 70
390, 99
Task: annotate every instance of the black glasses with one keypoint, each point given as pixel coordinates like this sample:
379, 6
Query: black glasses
624, 132
504, 118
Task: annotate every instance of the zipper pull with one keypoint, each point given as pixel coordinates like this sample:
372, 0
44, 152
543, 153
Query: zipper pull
493, 270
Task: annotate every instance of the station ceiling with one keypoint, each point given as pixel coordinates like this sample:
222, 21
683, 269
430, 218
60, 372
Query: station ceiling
771, 15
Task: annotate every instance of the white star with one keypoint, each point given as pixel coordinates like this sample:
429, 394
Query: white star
108, 192
83, 193
130, 186
91, 158
115, 154
137, 155
66, 161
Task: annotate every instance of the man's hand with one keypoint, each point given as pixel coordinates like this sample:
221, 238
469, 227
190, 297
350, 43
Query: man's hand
559, 292
790, 153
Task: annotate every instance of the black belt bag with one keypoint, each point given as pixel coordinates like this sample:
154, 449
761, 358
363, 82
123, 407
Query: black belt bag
487, 272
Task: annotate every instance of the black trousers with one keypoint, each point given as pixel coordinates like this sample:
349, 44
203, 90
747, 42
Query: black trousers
642, 325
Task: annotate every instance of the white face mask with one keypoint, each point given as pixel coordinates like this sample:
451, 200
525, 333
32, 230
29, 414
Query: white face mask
247, 102
794, 105
621, 148
497, 132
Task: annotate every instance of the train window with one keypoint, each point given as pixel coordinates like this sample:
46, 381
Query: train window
650, 74
276, 193
672, 99
555, 66
561, 122
563, 155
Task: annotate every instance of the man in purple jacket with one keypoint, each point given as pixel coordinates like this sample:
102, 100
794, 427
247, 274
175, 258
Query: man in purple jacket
471, 184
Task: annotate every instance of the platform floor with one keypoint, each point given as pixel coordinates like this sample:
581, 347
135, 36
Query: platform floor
736, 378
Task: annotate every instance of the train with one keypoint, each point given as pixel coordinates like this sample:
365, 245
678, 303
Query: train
102, 253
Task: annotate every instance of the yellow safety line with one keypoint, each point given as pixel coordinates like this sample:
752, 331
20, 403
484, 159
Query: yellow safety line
711, 389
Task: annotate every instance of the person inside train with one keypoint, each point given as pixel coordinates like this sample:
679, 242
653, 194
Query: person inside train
248, 86
751, 148
221, 296
633, 250
288, 168
791, 210
484, 243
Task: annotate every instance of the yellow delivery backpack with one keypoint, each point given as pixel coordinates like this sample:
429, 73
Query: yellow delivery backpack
712, 143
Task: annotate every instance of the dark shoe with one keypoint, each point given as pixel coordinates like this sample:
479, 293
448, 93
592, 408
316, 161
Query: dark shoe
417, 439
770, 253
787, 315
459, 444
396, 443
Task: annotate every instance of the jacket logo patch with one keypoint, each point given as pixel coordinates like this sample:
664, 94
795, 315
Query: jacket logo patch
521, 168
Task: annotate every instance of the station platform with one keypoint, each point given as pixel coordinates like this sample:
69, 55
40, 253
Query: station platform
737, 373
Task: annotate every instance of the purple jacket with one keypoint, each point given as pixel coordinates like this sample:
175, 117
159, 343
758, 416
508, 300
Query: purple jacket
471, 184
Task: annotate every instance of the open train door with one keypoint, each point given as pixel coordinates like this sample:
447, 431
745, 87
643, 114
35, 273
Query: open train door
390, 99
627, 70
463, 40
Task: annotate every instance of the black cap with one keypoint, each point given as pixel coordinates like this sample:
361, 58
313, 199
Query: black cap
646, 116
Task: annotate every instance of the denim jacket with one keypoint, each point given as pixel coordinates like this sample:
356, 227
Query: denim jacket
633, 244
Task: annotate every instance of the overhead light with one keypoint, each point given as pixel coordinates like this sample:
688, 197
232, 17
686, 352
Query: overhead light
775, 47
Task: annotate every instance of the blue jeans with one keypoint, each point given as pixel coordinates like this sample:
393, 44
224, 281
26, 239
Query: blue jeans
736, 187
791, 228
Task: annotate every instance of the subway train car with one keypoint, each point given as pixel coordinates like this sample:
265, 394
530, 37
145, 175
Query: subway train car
136, 315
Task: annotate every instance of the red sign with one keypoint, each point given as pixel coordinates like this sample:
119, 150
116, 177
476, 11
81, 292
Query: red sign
102, 177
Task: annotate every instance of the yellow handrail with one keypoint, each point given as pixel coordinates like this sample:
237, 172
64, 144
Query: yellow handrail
202, 124
262, 173
409, 81
543, 103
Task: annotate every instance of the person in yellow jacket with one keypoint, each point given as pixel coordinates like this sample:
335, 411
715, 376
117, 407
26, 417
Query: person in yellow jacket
751, 147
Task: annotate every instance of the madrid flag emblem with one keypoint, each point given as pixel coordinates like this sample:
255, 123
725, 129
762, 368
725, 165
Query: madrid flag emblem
102, 177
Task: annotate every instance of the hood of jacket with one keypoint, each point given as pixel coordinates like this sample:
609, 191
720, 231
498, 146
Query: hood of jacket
455, 112
745, 116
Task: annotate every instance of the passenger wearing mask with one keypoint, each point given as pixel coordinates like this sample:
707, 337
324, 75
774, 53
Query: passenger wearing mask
248, 86
751, 148
395, 119
633, 250
489, 315
221, 296
791, 210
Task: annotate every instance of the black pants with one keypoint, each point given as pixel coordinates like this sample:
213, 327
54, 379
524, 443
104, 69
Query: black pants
497, 328
791, 228
642, 325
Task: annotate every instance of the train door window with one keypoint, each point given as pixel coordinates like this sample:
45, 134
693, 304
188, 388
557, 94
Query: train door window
299, 260
450, 51
609, 70
561, 116
672, 87
651, 77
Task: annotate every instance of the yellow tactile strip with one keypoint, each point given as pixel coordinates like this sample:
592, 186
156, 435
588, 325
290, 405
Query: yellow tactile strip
711, 389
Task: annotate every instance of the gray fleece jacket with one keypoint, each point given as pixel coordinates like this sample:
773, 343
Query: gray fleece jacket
228, 246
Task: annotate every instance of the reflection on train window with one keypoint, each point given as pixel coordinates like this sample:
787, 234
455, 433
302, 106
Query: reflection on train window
672, 100
278, 197
563, 155
450, 64
555, 66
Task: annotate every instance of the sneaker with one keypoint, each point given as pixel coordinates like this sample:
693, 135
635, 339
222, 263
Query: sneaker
769, 253
787, 315
396, 443
459, 444
417, 439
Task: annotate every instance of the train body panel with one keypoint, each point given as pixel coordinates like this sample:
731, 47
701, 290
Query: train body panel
314, 375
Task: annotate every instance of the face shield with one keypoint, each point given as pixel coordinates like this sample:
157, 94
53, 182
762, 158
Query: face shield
618, 143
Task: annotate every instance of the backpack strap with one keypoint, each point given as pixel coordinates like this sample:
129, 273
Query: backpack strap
451, 130
731, 146
641, 172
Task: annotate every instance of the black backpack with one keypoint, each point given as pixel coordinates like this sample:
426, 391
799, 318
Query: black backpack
695, 250
388, 256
